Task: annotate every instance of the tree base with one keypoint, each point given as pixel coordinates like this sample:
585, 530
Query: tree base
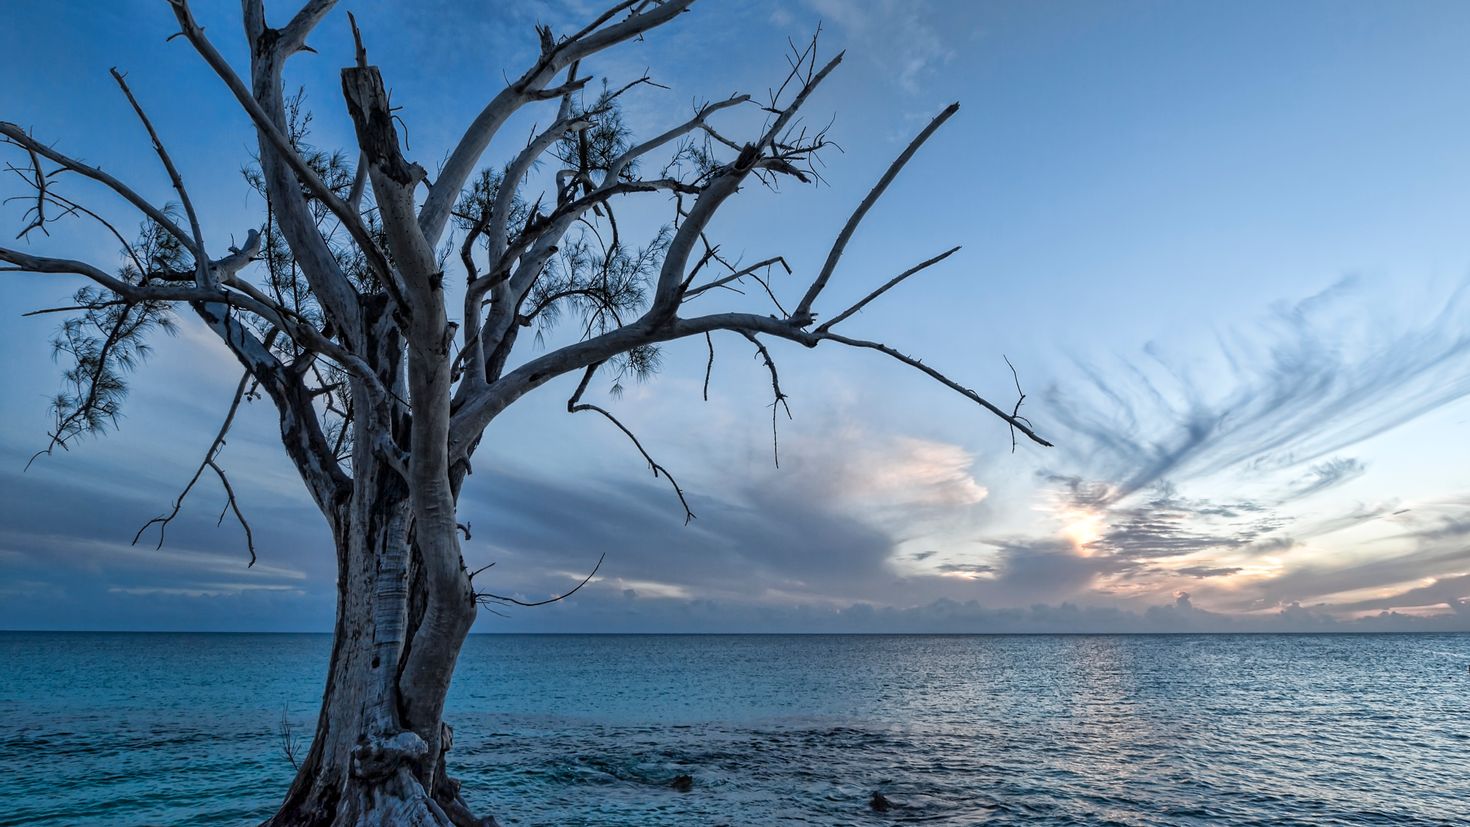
398, 800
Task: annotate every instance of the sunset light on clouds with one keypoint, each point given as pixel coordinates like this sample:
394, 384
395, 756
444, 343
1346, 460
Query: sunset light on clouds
1208, 263
666, 412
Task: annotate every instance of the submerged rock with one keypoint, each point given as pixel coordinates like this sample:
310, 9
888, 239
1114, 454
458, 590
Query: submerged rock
879, 803
682, 783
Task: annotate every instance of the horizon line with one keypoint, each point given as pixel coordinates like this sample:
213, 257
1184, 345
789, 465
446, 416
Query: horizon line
1181, 633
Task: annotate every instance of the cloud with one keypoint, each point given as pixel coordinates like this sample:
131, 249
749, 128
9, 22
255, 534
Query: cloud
204, 589
966, 568
1035, 570
897, 34
1324, 476
67, 560
858, 528
1319, 377
744, 543
766, 555
611, 611
1260, 431
1436, 550
854, 467
1207, 571
1451, 592
1168, 525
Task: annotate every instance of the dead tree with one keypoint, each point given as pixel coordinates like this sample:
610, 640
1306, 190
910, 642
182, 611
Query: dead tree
340, 310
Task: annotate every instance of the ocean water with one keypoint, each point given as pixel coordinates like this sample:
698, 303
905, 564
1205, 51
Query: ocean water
125, 729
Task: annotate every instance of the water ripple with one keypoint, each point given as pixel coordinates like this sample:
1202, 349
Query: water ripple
1250, 730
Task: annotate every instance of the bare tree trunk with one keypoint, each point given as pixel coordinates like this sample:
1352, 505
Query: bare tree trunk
377, 758
368, 349
366, 766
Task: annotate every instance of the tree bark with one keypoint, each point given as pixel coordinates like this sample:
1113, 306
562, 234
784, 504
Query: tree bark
377, 756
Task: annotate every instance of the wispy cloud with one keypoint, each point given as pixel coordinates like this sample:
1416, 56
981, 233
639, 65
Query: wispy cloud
1324, 476
1207, 571
1318, 377
897, 34
1266, 422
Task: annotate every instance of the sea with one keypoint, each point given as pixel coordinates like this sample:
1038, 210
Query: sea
186, 729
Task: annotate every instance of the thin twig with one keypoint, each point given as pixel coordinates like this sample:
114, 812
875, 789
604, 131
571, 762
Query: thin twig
803, 310
210, 456
1018, 423
482, 597
1020, 397
39, 222
780, 398
709, 366
201, 259
575, 405
288, 737
893, 282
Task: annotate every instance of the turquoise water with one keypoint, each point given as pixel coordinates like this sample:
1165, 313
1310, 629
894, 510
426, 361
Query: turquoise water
123, 729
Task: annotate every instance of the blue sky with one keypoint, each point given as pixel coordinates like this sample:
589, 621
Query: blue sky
1225, 245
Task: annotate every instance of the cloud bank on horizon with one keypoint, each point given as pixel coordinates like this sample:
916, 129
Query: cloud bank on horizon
1263, 445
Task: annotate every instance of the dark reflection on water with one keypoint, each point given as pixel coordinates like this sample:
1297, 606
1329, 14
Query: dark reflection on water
1303, 730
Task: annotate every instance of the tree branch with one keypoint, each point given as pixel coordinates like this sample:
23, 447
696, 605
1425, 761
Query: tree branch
803, 310
267, 127
575, 405
15, 135
893, 282
1017, 423
1020, 397
486, 597
301, 432
737, 275
210, 456
779, 398
554, 58
721, 187
696, 122
201, 260
709, 367
287, 198
293, 34
39, 211
499, 226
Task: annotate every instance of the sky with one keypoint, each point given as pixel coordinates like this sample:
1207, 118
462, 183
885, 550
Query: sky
1225, 246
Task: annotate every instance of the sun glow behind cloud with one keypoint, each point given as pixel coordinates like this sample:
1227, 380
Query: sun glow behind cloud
1246, 481
1081, 528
